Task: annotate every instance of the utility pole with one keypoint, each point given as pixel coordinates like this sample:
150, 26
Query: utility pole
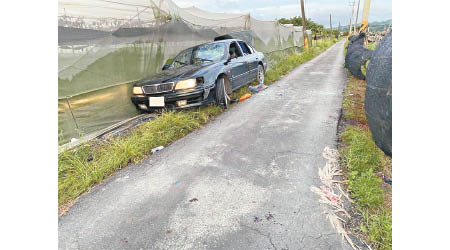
365, 21
365, 17
331, 28
350, 25
339, 28
357, 15
351, 18
305, 36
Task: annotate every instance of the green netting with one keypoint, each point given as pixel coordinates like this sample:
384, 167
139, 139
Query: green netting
104, 46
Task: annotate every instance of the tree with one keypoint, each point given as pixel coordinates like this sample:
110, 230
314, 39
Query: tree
310, 25
327, 32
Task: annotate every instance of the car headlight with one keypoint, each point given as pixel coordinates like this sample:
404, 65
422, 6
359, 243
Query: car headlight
137, 91
186, 84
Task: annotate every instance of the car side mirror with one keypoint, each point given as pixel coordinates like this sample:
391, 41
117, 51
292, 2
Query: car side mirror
166, 66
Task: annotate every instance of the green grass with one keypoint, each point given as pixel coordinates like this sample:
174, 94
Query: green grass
76, 174
379, 228
353, 104
362, 159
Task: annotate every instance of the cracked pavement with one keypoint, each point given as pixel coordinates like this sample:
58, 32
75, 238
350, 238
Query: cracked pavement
241, 182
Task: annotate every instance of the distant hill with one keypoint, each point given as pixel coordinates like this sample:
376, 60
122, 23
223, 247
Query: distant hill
374, 26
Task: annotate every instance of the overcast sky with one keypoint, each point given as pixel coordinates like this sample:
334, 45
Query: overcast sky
318, 10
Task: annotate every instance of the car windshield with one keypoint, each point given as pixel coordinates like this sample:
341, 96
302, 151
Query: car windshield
182, 59
204, 53
208, 52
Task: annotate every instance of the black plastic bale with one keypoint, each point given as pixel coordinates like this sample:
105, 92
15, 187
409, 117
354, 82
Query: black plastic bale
357, 55
378, 100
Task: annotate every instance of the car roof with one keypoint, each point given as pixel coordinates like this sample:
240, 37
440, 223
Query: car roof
219, 41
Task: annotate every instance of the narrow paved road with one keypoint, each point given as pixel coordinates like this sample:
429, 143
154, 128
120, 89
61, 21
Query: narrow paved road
241, 182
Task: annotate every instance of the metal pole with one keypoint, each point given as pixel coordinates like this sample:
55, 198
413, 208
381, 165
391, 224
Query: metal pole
331, 29
351, 18
350, 26
305, 36
70, 108
357, 15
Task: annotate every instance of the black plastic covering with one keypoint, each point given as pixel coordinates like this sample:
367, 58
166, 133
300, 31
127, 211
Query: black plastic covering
224, 37
378, 100
357, 55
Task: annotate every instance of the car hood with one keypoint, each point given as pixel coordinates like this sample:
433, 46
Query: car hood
173, 75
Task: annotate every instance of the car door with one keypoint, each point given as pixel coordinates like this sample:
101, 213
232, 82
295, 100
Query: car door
239, 67
252, 63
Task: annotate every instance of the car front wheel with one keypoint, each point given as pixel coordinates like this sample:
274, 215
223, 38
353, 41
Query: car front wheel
222, 97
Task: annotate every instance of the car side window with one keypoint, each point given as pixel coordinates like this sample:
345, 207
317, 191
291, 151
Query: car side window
245, 48
234, 50
182, 59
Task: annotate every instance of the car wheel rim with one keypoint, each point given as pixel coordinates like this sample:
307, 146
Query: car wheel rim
260, 75
225, 95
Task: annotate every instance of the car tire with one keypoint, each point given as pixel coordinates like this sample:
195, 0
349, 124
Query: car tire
222, 97
260, 75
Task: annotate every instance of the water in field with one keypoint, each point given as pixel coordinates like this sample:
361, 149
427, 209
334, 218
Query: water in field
94, 86
93, 111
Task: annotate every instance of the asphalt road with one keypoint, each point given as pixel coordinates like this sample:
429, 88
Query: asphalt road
241, 182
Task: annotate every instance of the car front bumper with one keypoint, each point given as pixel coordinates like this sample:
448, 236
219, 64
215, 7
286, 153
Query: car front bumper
193, 98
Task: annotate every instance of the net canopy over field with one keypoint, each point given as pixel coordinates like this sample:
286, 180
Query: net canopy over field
106, 45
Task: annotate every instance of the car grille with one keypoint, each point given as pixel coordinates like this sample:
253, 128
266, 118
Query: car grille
158, 88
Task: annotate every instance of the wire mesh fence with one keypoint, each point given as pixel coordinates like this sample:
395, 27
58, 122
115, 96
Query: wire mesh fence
104, 46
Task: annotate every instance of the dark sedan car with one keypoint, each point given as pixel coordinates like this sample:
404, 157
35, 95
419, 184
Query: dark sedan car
200, 75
